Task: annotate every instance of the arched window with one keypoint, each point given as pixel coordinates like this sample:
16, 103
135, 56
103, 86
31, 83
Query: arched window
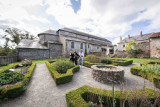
72, 44
81, 46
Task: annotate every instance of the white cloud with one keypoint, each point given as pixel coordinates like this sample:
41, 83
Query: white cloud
107, 18
16, 14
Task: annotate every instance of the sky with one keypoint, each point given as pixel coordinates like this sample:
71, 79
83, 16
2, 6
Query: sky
109, 19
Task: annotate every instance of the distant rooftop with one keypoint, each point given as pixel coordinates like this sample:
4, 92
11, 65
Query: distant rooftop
52, 32
82, 33
155, 35
137, 38
25, 43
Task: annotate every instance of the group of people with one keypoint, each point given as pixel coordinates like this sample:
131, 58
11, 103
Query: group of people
74, 56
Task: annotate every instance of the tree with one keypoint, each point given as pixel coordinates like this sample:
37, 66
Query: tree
133, 52
15, 35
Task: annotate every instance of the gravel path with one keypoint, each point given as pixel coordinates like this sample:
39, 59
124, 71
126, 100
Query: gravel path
43, 92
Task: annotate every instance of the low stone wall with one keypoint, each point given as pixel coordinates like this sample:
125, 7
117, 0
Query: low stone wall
115, 73
32, 54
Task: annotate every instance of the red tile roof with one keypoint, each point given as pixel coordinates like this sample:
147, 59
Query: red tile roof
155, 35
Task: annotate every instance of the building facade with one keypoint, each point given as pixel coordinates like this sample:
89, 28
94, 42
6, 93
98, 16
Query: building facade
149, 43
55, 44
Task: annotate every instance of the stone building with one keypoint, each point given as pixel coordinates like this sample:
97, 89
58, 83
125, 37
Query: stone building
155, 45
149, 43
53, 44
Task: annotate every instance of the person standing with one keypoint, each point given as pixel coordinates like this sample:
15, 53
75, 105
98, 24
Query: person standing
71, 56
76, 56
81, 55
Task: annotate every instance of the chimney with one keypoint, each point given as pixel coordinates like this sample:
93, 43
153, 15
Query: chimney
141, 34
128, 36
120, 38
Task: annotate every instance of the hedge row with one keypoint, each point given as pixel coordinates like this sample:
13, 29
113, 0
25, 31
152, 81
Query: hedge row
155, 79
8, 67
17, 89
122, 62
62, 78
89, 64
82, 95
150, 62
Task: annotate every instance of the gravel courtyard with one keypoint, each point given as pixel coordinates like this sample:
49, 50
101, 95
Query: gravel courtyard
43, 92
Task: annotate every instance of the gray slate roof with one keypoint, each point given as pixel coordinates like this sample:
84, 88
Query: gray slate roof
137, 38
52, 32
25, 43
82, 33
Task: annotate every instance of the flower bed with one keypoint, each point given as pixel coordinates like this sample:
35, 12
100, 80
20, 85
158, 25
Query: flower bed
155, 79
82, 95
62, 78
17, 89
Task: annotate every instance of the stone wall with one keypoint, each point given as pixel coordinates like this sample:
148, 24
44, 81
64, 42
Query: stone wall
32, 54
155, 48
55, 50
145, 46
46, 37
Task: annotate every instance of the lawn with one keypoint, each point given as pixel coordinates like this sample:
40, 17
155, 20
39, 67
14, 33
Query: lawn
141, 60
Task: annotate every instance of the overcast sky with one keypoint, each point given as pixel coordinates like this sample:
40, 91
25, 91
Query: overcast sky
105, 18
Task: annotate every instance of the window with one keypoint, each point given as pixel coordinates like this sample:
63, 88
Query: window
81, 46
97, 47
72, 44
123, 45
88, 46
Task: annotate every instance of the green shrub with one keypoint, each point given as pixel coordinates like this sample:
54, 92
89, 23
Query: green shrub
106, 61
89, 64
122, 62
9, 77
17, 89
4, 64
82, 95
62, 78
8, 67
155, 79
92, 59
155, 69
150, 62
63, 65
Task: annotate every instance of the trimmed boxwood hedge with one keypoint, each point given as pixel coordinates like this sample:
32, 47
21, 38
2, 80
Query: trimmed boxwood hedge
8, 67
89, 64
155, 79
82, 95
150, 62
122, 62
62, 78
17, 89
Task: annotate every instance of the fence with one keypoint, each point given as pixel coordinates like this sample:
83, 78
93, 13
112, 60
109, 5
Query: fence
7, 59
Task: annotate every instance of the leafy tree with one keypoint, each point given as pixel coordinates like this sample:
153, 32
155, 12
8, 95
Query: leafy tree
15, 35
133, 52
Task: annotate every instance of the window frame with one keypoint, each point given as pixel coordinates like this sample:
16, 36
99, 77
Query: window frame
72, 44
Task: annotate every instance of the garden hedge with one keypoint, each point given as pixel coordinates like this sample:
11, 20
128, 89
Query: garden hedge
8, 67
62, 78
17, 89
155, 79
150, 62
122, 62
89, 64
82, 95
